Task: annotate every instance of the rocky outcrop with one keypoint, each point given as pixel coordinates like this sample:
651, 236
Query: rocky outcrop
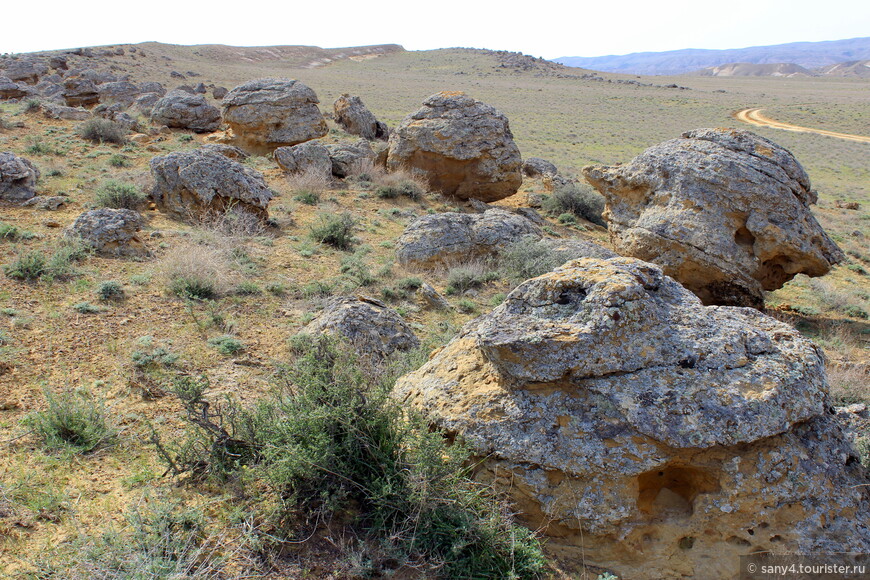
152, 87
110, 231
268, 113
46, 202
453, 237
306, 157
535, 166
465, 148
226, 150
350, 158
724, 212
123, 93
80, 92
355, 118
57, 111
182, 110
194, 183
11, 90
219, 92
645, 433
374, 330
17, 177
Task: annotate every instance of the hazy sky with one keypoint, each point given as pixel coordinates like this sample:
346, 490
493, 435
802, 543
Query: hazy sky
544, 28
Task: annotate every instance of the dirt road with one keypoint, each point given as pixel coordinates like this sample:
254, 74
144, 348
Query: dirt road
754, 117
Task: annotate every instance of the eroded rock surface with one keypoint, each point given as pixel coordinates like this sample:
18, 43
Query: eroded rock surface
193, 183
465, 148
644, 432
444, 237
182, 110
17, 177
350, 158
352, 114
306, 157
110, 231
373, 329
268, 113
724, 212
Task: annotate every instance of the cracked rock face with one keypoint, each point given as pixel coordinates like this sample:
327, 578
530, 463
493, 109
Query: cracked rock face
465, 148
374, 330
268, 113
110, 231
441, 238
17, 177
644, 432
194, 183
311, 157
724, 212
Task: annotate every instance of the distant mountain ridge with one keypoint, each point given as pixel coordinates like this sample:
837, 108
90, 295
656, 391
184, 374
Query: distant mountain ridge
809, 55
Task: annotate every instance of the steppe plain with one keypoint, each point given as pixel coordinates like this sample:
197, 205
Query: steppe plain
51, 502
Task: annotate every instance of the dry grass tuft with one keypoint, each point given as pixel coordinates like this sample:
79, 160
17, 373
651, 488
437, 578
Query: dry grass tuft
197, 271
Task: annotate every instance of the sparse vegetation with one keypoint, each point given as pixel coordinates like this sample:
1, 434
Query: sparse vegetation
335, 230
119, 195
226, 344
101, 130
110, 290
74, 420
578, 200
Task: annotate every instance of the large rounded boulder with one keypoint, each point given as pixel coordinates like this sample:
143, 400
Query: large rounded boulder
183, 110
311, 157
200, 182
465, 148
268, 113
17, 177
645, 433
724, 212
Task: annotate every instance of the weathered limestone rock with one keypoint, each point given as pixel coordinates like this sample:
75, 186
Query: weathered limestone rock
219, 92
355, 118
11, 90
268, 113
644, 432
110, 231
124, 93
464, 147
226, 150
305, 157
182, 110
348, 158
152, 87
535, 166
17, 177
46, 202
193, 183
374, 330
444, 237
57, 111
724, 212
80, 92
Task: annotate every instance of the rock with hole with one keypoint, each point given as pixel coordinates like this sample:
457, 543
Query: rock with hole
645, 433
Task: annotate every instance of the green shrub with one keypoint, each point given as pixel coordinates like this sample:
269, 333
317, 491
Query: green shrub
118, 160
193, 287
460, 279
110, 290
72, 420
855, 311
101, 130
335, 230
149, 355
410, 283
37, 147
248, 288
580, 200
86, 308
32, 105
356, 270
308, 197
28, 266
529, 257
227, 344
335, 443
466, 306
14, 234
406, 188
567, 219
119, 195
